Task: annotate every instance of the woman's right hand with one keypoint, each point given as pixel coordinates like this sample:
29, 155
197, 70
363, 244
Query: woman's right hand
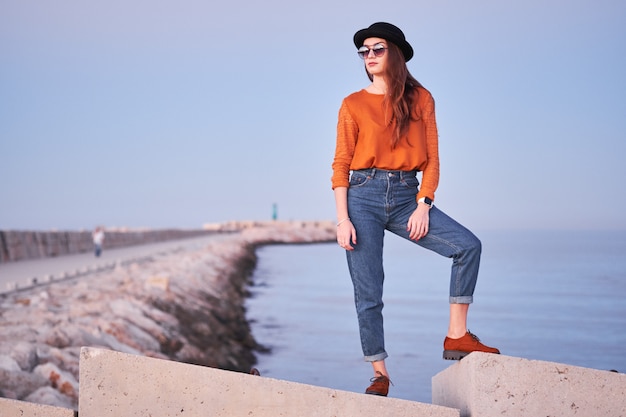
346, 235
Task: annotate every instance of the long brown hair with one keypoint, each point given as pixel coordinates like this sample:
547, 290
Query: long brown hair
401, 93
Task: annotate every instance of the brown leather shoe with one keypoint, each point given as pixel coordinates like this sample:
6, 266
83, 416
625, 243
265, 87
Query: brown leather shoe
379, 385
457, 349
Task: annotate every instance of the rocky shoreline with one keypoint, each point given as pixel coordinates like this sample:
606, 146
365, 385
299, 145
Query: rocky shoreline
186, 307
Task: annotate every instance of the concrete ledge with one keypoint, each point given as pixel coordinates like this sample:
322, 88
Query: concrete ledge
496, 385
14, 408
114, 384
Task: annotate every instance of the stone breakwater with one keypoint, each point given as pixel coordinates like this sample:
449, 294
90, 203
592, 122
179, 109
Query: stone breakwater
186, 307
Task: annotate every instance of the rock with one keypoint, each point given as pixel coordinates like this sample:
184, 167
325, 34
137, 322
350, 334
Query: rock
134, 313
50, 396
18, 384
66, 359
131, 335
158, 282
9, 364
62, 381
25, 354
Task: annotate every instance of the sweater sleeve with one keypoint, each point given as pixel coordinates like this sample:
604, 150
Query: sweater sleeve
430, 174
347, 132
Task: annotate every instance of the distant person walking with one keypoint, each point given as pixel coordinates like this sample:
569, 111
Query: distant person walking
98, 239
386, 134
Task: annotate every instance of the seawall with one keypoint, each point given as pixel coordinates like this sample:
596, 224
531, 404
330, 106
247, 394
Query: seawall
18, 245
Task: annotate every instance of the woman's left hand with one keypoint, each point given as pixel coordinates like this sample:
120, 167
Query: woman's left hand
418, 222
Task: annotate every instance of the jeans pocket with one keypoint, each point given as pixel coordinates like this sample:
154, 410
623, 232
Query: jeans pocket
358, 179
410, 182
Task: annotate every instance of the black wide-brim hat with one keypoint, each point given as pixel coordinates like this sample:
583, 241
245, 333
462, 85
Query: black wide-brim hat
388, 32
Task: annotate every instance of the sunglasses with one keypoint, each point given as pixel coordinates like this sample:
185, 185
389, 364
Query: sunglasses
378, 49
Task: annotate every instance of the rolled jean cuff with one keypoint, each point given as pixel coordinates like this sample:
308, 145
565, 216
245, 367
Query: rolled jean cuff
376, 358
463, 299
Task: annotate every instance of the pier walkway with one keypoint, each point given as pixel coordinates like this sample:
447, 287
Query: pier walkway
28, 273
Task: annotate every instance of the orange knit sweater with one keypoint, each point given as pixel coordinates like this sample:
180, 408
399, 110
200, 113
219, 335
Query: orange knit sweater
364, 140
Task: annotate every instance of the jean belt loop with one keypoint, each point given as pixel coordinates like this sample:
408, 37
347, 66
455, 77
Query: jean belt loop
373, 172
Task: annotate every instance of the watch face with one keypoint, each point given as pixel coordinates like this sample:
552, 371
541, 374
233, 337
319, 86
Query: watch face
428, 201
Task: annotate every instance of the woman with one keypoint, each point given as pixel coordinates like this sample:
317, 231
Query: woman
386, 133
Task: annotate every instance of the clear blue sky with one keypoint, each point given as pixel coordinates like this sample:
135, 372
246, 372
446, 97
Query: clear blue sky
178, 113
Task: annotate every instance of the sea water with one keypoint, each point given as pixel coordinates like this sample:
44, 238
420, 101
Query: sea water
557, 296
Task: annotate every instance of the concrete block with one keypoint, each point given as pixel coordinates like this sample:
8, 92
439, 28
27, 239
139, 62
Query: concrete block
483, 384
114, 384
14, 408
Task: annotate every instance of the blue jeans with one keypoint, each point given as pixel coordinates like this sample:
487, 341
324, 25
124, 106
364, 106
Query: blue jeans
380, 200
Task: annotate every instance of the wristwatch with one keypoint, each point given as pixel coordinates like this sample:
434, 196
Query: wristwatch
426, 201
